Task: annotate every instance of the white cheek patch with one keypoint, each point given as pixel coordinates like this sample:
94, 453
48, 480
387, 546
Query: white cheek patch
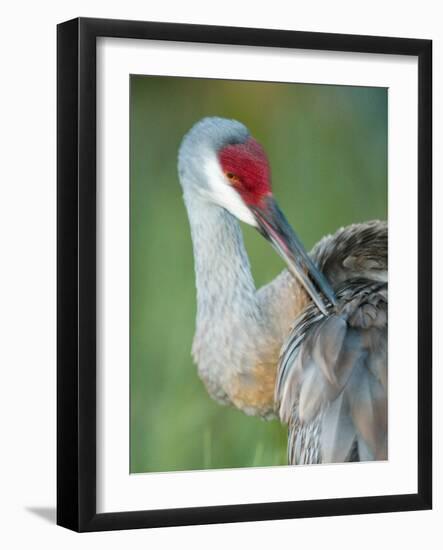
224, 195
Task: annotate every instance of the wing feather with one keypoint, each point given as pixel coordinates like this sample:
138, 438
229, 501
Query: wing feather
332, 378
338, 431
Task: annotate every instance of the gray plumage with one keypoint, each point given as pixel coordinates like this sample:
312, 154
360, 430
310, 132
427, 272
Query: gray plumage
270, 352
331, 385
332, 378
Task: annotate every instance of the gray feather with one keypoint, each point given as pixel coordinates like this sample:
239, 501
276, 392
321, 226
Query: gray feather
332, 377
368, 406
337, 432
311, 393
328, 345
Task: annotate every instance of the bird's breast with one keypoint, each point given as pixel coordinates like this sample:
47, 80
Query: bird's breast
253, 391
245, 380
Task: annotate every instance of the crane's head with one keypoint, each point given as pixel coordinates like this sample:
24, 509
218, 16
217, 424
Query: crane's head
224, 165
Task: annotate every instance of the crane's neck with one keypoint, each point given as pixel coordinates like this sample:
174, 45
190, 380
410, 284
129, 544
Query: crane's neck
225, 286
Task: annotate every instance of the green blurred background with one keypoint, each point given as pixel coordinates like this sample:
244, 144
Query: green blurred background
327, 147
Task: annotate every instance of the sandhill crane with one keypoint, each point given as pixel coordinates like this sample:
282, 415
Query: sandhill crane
309, 347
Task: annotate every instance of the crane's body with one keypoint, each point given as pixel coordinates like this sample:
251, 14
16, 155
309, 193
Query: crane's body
309, 347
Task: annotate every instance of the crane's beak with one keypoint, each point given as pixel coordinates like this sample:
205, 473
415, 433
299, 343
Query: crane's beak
273, 225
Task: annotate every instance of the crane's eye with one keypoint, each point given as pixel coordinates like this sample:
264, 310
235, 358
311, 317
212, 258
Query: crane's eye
233, 179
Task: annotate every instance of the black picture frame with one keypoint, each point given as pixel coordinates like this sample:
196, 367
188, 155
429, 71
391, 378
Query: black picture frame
76, 279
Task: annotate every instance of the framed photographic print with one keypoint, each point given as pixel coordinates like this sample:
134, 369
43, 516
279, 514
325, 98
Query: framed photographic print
236, 208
